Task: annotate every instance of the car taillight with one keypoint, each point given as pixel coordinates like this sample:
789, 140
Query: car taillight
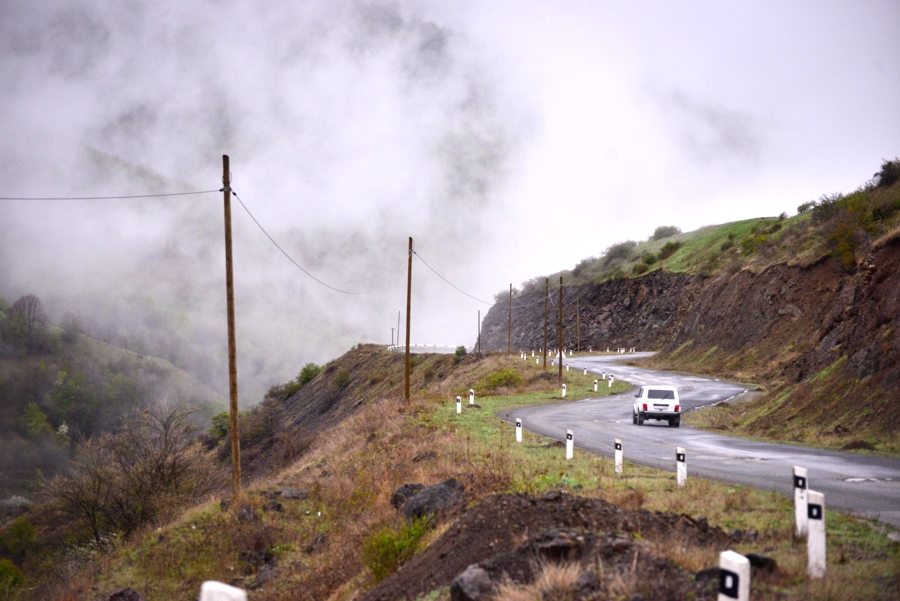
676, 408
645, 406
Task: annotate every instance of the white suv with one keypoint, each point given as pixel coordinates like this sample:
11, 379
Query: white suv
657, 402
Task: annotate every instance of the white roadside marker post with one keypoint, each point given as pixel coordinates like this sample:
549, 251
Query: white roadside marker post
585, 371
471, 396
532, 353
801, 485
563, 391
680, 467
612, 379
458, 404
603, 377
567, 367
518, 429
595, 385
815, 539
618, 456
537, 360
734, 577
570, 444
219, 591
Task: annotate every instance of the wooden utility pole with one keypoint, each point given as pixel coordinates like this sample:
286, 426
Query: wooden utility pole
232, 345
408, 306
479, 330
560, 330
398, 327
577, 325
509, 323
546, 309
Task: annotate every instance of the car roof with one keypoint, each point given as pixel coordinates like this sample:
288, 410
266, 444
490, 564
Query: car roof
659, 387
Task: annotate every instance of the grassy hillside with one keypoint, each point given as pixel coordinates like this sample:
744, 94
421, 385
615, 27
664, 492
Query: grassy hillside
843, 225
342, 537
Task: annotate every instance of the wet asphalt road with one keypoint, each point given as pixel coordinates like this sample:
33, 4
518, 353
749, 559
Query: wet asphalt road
865, 485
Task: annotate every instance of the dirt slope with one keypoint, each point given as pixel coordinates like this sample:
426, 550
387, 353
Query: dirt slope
497, 525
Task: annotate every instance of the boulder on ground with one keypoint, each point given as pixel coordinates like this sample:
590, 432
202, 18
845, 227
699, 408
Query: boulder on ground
126, 594
434, 500
295, 494
404, 493
474, 584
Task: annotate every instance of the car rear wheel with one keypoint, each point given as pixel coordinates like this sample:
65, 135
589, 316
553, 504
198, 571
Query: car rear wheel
675, 422
640, 419
633, 418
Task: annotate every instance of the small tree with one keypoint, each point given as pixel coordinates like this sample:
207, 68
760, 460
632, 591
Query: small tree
665, 231
25, 326
888, 174
11, 579
35, 421
31, 312
308, 373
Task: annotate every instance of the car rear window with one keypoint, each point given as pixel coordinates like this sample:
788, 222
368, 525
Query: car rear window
660, 394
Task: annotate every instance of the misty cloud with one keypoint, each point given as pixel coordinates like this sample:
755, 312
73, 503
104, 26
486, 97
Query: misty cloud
508, 138
349, 126
713, 133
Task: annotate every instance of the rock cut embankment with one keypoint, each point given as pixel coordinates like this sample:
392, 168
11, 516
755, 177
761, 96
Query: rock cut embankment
782, 325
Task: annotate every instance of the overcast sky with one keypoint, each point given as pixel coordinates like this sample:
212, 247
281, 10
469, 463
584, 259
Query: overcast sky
510, 139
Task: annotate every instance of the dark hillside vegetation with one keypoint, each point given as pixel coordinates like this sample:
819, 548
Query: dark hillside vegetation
59, 386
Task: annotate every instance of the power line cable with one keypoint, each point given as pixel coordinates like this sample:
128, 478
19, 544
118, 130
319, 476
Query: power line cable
297, 265
452, 325
448, 281
106, 197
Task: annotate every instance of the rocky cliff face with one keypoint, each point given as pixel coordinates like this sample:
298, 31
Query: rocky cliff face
783, 324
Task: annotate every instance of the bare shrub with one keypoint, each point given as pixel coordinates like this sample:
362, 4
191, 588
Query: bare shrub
617, 253
121, 482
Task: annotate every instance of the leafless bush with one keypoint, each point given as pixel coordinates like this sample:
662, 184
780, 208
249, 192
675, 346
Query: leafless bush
123, 481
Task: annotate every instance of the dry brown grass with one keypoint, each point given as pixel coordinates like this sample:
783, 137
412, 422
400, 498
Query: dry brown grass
680, 549
555, 582
352, 471
888, 238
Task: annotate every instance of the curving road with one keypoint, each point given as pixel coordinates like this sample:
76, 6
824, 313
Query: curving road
862, 484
